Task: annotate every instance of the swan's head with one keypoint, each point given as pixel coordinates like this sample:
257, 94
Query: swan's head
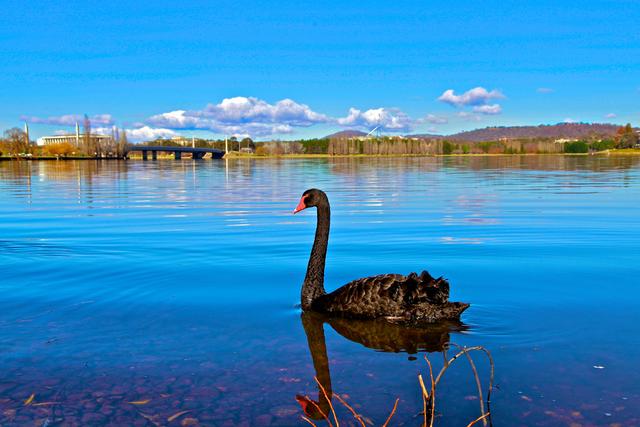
310, 198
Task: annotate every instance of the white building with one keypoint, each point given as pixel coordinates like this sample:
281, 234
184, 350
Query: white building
73, 139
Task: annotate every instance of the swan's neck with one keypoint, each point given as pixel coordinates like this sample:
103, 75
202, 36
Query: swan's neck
314, 329
313, 285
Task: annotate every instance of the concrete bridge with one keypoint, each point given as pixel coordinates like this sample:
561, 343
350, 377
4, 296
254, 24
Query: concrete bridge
197, 152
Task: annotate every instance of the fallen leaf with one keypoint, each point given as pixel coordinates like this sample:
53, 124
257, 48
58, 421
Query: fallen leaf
176, 416
140, 402
29, 400
44, 403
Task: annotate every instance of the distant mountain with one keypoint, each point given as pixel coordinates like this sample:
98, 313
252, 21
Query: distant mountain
557, 131
560, 130
347, 134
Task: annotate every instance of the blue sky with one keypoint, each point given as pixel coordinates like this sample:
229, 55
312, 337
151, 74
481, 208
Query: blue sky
291, 69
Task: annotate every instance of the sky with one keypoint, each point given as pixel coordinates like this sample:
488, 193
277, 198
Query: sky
301, 69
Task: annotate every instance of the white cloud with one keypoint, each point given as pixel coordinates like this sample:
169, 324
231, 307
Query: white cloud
475, 96
243, 116
241, 109
389, 119
545, 90
147, 133
433, 119
177, 119
70, 119
569, 120
488, 109
144, 133
611, 116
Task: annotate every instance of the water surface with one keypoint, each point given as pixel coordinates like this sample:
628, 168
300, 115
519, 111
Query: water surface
177, 282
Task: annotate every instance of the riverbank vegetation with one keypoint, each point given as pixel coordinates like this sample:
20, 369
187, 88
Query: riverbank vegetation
16, 144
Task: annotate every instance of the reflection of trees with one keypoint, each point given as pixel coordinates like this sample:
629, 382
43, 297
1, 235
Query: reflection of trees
543, 163
600, 163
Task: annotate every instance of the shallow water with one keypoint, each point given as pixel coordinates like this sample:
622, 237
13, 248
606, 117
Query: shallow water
177, 282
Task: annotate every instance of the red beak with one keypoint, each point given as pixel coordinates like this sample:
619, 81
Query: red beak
300, 206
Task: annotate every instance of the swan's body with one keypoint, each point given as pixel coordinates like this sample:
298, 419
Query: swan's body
412, 298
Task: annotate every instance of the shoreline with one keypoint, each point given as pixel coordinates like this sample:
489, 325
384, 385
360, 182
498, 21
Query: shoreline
236, 155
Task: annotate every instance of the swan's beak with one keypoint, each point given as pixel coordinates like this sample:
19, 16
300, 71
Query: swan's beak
304, 403
301, 205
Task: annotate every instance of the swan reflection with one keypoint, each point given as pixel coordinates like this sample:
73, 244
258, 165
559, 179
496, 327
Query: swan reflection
379, 335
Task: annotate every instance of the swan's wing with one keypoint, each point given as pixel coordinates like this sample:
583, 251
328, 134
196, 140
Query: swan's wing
386, 295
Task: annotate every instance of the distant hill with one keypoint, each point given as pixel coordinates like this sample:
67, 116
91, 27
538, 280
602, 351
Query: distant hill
347, 134
560, 130
494, 133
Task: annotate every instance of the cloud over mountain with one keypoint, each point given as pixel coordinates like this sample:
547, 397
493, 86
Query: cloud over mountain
389, 119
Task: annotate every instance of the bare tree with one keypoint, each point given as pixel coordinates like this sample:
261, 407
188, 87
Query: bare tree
15, 139
122, 143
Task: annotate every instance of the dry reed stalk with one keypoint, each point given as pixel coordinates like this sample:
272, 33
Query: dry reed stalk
481, 417
308, 420
326, 418
425, 396
478, 384
324, 392
393, 411
433, 392
346, 405
465, 351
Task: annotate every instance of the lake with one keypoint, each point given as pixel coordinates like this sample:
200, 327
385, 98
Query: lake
174, 285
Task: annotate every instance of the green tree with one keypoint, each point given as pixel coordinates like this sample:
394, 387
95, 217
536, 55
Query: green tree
576, 147
247, 142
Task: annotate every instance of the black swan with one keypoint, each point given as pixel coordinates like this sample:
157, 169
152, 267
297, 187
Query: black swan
405, 299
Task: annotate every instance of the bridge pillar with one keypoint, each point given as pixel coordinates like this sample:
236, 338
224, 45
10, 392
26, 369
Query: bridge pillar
144, 155
154, 155
178, 155
198, 155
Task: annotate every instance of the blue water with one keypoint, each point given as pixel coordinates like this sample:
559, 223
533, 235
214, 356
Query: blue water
177, 282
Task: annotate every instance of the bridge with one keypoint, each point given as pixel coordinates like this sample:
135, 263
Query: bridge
196, 152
